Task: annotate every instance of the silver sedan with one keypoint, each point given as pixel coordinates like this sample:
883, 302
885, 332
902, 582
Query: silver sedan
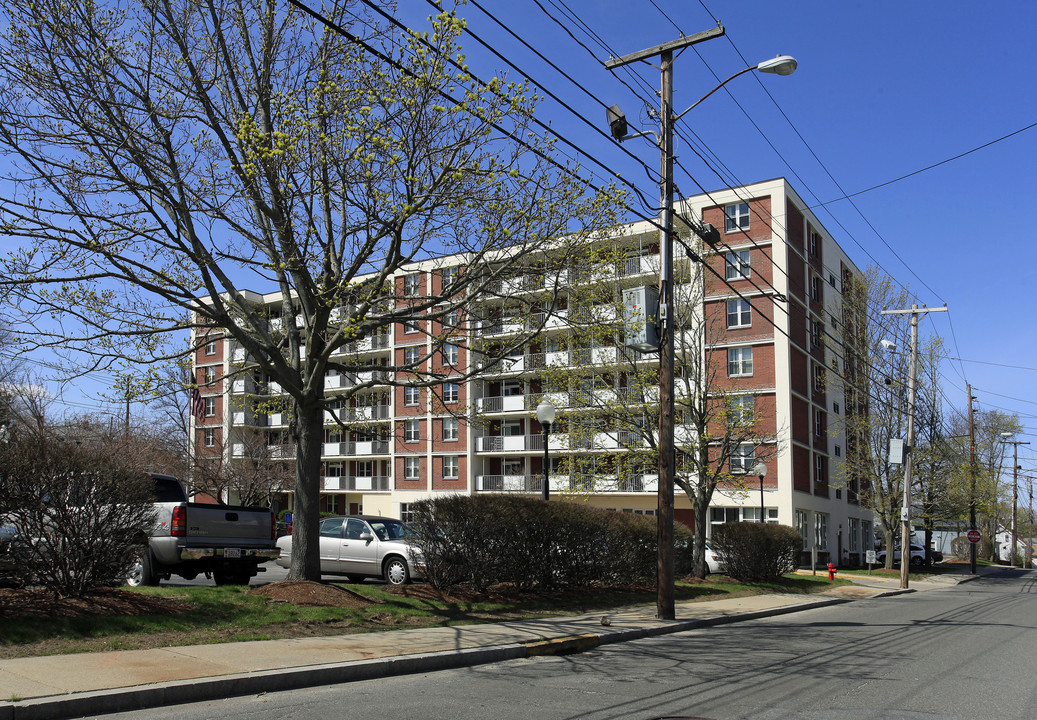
363, 546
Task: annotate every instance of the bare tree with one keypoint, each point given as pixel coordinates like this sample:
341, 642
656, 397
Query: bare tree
166, 155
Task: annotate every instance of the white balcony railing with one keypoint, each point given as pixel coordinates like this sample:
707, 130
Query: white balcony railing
509, 443
501, 403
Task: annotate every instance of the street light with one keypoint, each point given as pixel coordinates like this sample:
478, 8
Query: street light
782, 65
546, 416
760, 470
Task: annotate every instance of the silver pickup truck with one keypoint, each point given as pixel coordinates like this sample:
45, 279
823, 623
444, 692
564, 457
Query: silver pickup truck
225, 542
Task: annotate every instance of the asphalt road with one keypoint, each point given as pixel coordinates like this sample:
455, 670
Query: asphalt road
963, 652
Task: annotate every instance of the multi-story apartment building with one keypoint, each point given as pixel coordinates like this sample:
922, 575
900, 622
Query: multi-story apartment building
768, 312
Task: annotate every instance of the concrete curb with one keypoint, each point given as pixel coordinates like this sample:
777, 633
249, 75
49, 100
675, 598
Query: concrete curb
224, 686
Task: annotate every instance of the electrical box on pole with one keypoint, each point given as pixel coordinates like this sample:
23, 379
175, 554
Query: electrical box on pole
896, 451
641, 318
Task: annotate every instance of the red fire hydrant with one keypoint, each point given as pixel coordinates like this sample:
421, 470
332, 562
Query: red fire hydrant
831, 572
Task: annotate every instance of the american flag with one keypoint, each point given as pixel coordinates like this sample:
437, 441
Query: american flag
197, 406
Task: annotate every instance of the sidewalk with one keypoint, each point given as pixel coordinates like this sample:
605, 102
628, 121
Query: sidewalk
64, 686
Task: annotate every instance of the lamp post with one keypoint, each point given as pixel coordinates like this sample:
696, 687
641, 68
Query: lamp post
782, 65
546, 416
761, 470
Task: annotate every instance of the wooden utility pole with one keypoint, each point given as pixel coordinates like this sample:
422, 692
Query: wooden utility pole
972, 479
905, 511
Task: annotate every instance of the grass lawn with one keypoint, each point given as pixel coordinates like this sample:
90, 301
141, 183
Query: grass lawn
125, 618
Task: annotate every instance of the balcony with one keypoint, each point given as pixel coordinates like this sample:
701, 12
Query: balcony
509, 443
277, 419
239, 356
248, 417
509, 483
340, 381
353, 448
501, 403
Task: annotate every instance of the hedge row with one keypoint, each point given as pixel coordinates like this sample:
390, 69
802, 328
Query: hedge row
482, 541
757, 551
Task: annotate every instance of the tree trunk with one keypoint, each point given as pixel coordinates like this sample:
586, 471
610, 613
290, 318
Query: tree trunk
309, 431
701, 523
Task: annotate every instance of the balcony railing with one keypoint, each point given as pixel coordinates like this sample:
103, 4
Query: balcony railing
509, 483
357, 447
345, 482
509, 443
501, 403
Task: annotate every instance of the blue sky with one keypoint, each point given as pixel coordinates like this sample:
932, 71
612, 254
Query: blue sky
883, 89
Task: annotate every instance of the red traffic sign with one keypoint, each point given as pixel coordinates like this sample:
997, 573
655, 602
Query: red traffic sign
973, 536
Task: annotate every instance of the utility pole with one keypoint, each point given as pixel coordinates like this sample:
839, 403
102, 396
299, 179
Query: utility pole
1015, 493
972, 478
665, 605
905, 511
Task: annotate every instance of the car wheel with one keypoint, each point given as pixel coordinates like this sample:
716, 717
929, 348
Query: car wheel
395, 571
142, 572
916, 561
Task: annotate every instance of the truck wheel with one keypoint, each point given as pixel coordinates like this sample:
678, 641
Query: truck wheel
395, 571
231, 577
142, 572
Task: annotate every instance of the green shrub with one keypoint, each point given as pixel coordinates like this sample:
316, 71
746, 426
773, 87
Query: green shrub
757, 551
482, 541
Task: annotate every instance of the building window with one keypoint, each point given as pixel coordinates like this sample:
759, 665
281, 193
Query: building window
743, 458
451, 319
210, 406
208, 375
410, 396
411, 355
449, 274
803, 525
450, 392
820, 423
835, 408
210, 347
831, 279
820, 470
721, 515
838, 451
411, 468
209, 437
411, 431
821, 531
450, 354
819, 378
815, 243
817, 331
365, 468
737, 265
411, 285
450, 466
739, 362
741, 410
407, 513
736, 217
450, 427
739, 314
854, 531
816, 288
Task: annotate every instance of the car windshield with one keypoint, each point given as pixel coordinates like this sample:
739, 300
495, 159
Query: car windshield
387, 529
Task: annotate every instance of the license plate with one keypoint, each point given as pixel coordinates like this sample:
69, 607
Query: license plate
232, 553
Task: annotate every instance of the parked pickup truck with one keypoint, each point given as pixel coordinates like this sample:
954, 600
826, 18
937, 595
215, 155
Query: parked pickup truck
225, 542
